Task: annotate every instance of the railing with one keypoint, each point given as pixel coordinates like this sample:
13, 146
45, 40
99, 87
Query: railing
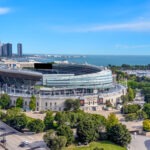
58, 94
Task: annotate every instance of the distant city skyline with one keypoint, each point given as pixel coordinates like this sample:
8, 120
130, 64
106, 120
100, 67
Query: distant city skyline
7, 49
112, 27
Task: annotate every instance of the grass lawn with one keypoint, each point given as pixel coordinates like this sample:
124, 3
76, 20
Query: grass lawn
104, 144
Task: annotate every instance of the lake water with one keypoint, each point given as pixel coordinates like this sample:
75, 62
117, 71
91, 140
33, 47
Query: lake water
104, 60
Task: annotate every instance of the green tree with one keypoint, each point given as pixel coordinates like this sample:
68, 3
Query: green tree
61, 118
86, 131
36, 125
99, 122
72, 118
146, 109
13, 112
49, 134
48, 120
111, 121
54, 142
19, 102
119, 134
131, 94
66, 131
19, 122
71, 104
32, 103
5, 101
147, 98
62, 141
15, 118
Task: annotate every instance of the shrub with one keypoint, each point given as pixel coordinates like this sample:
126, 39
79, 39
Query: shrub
108, 103
141, 115
131, 108
146, 125
131, 117
103, 136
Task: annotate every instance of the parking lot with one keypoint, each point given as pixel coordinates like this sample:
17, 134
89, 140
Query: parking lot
14, 139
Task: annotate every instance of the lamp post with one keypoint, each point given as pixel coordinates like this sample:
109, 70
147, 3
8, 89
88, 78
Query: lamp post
3, 137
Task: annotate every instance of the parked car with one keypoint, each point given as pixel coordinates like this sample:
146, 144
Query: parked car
24, 144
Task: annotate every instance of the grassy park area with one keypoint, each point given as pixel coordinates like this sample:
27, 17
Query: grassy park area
104, 144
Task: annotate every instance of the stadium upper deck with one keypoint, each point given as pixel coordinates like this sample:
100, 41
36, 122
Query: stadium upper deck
69, 75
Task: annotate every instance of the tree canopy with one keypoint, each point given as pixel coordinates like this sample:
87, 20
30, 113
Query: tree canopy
131, 108
71, 104
146, 109
66, 131
48, 120
5, 101
54, 142
19, 122
32, 103
86, 131
36, 125
19, 102
119, 134
131, 94
111, 121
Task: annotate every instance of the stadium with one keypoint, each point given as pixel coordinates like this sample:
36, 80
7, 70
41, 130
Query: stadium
53, 83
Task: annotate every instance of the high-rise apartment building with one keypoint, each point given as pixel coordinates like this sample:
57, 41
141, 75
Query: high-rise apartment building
1, 50
7, 50
19, 49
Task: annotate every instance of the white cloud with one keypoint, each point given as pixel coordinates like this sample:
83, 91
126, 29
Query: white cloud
4, 10
132, 26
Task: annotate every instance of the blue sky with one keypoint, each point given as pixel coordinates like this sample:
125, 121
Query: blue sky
119, 27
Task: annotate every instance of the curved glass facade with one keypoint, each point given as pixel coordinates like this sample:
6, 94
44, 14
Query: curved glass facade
98, 80
67, 76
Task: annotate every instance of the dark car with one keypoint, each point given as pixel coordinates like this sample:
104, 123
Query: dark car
24, 143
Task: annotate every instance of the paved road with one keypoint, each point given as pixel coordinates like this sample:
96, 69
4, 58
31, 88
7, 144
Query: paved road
140, 142
14, 138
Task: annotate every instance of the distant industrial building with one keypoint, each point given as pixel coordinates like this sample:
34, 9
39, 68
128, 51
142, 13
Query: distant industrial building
19, 49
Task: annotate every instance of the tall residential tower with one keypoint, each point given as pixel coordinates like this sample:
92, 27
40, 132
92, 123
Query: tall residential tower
7, 50
19, 49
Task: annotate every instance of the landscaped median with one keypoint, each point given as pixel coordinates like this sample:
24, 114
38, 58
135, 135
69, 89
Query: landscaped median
104, 145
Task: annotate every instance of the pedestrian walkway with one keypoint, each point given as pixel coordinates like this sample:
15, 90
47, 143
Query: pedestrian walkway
139, 142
